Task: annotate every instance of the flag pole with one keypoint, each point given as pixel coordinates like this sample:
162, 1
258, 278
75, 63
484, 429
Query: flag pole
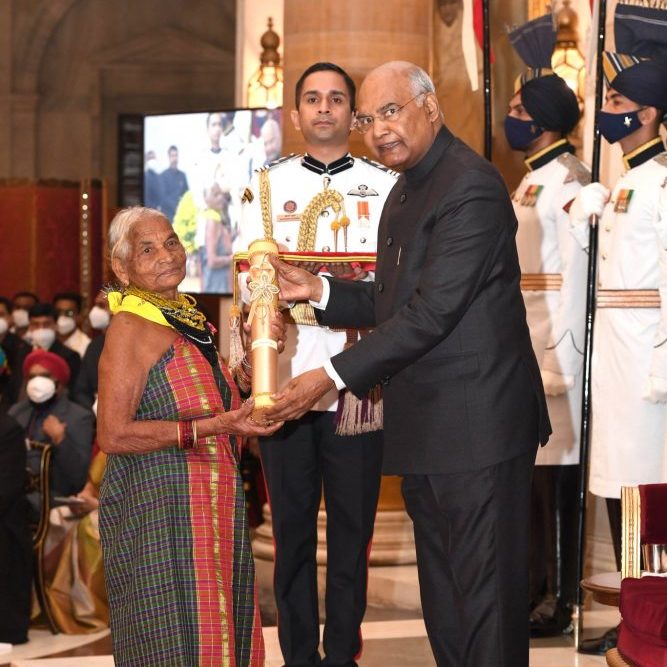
584, 446
486, 39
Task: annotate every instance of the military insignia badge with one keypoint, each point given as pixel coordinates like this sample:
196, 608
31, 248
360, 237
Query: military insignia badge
362, 191
363, 214
290, 213
622, 203
530, 195
248, 196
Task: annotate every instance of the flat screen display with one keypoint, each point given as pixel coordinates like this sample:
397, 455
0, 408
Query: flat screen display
196, 167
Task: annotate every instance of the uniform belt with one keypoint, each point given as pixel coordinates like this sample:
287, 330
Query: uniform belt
627, 298
541, 282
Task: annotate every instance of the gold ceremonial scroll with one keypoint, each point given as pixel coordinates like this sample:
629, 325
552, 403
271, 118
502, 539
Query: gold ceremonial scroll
263, 302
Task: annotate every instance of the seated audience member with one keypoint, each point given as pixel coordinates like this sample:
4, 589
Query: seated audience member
48, 416
85, 389
22, 302
68, 306
73, 559
15, 538
42, 333
16, 350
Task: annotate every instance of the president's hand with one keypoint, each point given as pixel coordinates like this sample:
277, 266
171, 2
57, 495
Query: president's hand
299, 396
295, 283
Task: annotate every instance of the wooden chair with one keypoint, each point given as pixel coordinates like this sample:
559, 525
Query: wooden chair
615, 659
38, 481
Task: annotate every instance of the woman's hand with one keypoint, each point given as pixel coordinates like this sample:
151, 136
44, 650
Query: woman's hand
241, 422
88, 504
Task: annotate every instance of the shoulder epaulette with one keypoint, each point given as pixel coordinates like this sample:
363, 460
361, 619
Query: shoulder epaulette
576, 169
280, 160
661, 159
379, 165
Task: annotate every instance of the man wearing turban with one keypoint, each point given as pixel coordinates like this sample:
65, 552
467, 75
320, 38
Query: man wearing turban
542, 112
629, 371
48, 416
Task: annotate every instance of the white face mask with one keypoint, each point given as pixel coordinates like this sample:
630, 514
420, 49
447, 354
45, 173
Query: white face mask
43, 338
99, 318
20, 318
4, 325
40, 389
65, 324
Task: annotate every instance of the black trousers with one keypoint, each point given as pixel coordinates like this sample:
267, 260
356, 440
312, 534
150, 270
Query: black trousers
471, 534
299, 461
554, 525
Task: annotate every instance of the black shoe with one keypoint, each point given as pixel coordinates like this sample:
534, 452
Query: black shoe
600, 645
550, 618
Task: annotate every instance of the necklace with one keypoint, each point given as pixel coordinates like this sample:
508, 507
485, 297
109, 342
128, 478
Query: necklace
183, 310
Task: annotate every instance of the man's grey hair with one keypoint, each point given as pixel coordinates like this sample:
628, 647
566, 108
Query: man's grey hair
420, 82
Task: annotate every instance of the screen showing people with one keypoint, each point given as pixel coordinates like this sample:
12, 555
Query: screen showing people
196, 168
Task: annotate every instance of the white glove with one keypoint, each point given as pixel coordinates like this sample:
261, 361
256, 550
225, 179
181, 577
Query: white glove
556, 383
655, 390
590, 201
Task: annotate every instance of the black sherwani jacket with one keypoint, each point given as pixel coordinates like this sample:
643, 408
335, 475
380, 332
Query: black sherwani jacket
462, 387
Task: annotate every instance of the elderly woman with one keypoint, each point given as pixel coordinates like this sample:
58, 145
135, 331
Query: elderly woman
177, 559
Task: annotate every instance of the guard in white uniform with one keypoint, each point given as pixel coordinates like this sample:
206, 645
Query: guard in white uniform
542, 112
340, 198
629, 363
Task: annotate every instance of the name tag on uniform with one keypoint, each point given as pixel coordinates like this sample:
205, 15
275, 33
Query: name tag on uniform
529, 197
622, 203
290, 213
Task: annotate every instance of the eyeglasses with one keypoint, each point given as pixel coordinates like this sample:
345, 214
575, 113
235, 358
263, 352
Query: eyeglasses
389, 114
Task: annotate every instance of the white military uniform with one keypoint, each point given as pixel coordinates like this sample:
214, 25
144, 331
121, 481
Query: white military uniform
555, 316
630, 344
364, 186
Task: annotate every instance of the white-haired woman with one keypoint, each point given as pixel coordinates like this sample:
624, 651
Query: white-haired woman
177, 559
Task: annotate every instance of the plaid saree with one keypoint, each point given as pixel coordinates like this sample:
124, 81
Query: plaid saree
177, 559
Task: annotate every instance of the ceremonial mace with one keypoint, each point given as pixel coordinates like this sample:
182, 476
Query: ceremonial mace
585, 433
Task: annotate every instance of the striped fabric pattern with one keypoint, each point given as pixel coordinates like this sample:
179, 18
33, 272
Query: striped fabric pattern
614, 63
529, 75
178, 564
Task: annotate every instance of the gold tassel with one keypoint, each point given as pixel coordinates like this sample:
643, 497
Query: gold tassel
354, 415
236, 350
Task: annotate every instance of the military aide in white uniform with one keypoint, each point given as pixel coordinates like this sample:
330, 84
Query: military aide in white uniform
542, 112
629, 364
307, 455
294, 181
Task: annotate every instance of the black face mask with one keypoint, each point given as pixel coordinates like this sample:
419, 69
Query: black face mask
521, 133
617, 126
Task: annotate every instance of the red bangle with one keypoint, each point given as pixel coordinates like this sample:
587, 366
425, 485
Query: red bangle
186, 435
